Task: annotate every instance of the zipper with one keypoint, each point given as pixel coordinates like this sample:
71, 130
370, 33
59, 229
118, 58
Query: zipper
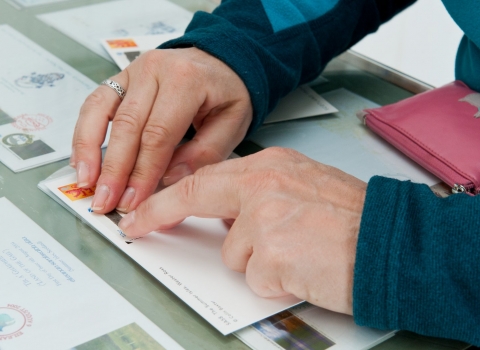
463, 189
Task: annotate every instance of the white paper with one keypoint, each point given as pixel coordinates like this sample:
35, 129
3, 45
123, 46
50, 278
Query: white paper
341, 140
186, 259
50, 300
116, 19
124, 50
310, 327
28, 3
301, 103
40, 97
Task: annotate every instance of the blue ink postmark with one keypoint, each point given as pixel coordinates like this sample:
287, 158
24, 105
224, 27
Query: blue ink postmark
38, 81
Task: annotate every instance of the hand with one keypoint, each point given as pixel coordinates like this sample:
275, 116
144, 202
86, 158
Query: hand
296, 222
167, 91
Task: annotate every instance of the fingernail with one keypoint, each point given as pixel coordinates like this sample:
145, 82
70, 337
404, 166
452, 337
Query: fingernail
126, 199
72, 159
127, 221
101, 195
83, 174
175, 174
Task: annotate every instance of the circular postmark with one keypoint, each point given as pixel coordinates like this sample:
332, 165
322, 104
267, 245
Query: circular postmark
14, 319
17, 139
32, 122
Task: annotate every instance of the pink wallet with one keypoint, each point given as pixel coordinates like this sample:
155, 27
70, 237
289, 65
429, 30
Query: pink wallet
439, 129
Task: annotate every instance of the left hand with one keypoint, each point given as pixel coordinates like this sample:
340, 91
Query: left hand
296, 222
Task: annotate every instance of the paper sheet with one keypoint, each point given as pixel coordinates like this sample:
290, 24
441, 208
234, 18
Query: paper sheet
50, 300
310, 327
186, 259
124, 50
28, 3
341, 140
116, 19
40, 97
301, 103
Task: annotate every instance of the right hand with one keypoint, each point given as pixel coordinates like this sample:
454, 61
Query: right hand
296, 222
167, 91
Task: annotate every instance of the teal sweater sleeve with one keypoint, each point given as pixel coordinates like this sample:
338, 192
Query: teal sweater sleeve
276, 45
417, 266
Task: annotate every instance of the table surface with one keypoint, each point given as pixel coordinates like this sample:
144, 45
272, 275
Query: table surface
111, 264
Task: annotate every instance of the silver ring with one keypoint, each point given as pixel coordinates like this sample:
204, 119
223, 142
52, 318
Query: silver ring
121, 92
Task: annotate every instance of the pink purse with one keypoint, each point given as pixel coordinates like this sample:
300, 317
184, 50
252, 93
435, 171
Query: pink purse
439, 129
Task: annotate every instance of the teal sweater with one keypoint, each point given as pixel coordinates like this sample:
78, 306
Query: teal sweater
417, 256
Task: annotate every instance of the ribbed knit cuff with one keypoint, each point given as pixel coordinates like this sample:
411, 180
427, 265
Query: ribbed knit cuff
375, 271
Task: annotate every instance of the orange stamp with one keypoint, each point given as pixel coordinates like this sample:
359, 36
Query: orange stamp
119, 43
75, 193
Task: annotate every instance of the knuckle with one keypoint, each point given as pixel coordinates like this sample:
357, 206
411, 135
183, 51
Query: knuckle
81, 143
185, 67
146, 209
280, 153
144, 175
191, 72
127, 119
151, 58
271, 257
96, 98
155, 134
258, 287
113, 171
187, 188
226, 258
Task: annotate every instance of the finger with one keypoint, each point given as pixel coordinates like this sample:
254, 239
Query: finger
90, 130
195, 195
170, 117
237, 247
214, 141
262, 276
127, 126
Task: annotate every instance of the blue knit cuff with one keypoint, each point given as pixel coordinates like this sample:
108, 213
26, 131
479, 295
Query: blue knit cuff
374, 274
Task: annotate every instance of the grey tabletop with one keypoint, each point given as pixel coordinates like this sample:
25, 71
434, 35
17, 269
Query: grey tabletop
111, 264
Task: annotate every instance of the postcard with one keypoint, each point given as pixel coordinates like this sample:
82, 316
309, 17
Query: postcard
301, 103
51, 300
186, 259
310, 327
124, 50
40, 97
89, 24
341, 140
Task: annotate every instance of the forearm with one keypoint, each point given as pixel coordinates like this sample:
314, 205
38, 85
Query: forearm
274, 46
417, 261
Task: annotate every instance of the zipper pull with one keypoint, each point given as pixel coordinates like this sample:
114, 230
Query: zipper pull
458, 189
362, 115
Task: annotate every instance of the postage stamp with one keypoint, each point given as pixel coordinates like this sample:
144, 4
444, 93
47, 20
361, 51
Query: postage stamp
119, 43
75, 193
32, 122
26, 146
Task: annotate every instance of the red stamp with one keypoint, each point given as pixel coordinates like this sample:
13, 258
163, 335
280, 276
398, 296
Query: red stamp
32, 122
14, 320
74, 193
